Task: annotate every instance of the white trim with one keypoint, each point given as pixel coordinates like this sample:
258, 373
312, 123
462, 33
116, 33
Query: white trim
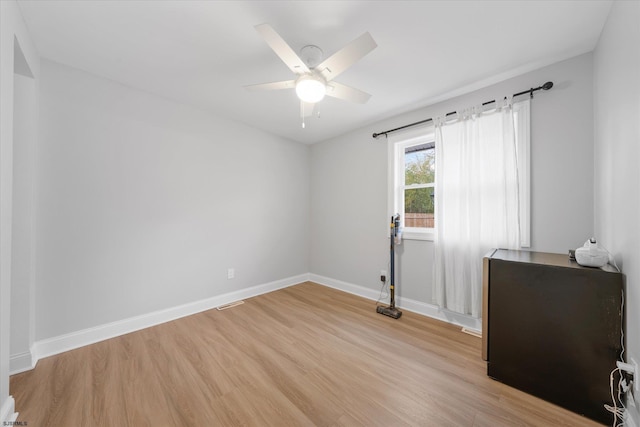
414, 233
350, 288
391, 184
7, 414
51, 346
21, 362
408, 304
70, 341
396, 146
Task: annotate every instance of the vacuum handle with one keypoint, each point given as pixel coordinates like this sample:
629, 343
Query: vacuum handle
395, 225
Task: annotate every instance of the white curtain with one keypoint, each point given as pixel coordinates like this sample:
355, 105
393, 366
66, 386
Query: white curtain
477, 201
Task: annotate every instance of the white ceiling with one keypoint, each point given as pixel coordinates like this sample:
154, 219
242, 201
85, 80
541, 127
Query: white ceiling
202, 53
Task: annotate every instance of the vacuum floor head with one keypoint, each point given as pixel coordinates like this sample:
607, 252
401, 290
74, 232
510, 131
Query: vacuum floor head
389, 311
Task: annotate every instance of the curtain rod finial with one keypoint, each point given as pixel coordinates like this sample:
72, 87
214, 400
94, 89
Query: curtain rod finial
547, 85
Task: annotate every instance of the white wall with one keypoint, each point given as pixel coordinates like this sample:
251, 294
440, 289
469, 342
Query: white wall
617, 154
143, 204
23, 232
349, 183
13, 33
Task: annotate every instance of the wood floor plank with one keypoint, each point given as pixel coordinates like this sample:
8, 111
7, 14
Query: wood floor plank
306, 355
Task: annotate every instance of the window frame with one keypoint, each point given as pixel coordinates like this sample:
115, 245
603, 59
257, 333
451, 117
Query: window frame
396, 179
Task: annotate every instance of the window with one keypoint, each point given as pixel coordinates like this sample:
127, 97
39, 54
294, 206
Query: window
413, 169
412, 166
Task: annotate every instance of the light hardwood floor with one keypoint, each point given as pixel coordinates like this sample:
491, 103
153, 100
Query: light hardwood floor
302, 356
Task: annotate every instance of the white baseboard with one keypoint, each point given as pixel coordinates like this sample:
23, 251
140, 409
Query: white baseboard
51, 346
21, 362
7, 414
62, 343
361, 291
419, 307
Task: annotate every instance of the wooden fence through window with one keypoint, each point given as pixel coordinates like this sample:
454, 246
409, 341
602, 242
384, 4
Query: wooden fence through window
418, 220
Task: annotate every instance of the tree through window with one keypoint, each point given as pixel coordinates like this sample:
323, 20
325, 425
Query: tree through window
419, 180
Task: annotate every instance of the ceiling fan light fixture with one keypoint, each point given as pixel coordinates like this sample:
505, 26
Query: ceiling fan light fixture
310, 89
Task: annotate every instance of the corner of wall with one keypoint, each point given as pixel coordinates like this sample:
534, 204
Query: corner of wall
7, 414
13, 34
408, 304
22, 362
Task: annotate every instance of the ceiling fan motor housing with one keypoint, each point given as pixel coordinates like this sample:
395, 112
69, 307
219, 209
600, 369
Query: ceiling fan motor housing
311, 55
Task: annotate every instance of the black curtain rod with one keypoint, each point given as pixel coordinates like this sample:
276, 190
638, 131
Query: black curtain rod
546, 86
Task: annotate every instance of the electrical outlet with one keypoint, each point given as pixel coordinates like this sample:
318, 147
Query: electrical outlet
632, 369
383, 275
231, 273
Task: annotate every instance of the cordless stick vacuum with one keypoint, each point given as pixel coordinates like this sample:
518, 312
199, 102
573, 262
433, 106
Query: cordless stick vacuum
392, 311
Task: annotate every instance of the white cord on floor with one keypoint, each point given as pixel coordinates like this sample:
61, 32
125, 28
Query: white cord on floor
384, 293
618, 412
385, 288
621, 327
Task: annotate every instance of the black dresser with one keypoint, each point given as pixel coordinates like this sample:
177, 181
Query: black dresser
552, 328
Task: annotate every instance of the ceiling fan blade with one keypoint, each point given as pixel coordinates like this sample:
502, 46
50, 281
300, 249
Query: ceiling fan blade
346, 57
348, 93
306, 109
282, 49
287, 84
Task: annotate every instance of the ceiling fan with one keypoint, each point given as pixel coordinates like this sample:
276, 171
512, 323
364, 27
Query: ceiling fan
314, 79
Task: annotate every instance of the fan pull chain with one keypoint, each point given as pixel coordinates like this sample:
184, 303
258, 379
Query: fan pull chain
302, 113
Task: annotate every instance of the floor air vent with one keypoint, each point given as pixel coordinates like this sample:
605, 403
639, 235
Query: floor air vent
231, 304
